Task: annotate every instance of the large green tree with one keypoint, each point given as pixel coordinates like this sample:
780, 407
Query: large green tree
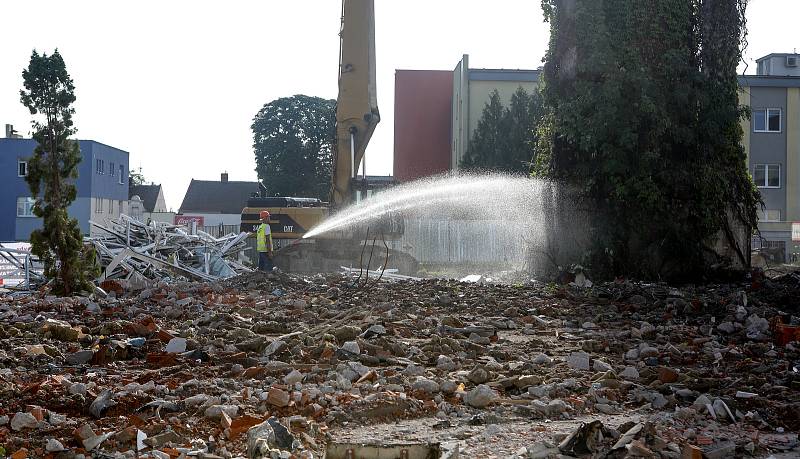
294, 139
49, 94
642, 117
504, 138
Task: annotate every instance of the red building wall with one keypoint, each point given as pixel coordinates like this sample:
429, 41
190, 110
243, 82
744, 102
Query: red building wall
422, 123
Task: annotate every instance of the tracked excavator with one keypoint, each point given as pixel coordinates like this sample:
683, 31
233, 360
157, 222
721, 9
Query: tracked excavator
365, 246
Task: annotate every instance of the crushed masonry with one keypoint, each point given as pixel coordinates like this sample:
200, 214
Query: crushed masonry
278, 365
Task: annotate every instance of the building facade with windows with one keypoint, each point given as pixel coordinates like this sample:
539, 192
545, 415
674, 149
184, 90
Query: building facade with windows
102, 187
435, 110
772, 141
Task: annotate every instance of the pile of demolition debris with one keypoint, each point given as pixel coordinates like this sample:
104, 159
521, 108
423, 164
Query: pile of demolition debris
19, 269
135, 252
281, 366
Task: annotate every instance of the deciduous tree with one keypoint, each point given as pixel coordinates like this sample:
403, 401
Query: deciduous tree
136, 178
294, 139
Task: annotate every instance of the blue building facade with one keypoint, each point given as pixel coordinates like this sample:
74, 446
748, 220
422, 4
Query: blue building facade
102, 185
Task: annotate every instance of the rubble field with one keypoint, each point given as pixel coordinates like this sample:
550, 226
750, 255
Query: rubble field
277, 365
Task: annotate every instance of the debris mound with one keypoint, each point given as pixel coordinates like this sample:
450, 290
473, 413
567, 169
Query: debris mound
137, 252
281, 365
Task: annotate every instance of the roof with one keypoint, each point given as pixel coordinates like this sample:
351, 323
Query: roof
33, 141
504, 75
768, 56
216, 197
423, 70
769, 81
148, 193
374, 182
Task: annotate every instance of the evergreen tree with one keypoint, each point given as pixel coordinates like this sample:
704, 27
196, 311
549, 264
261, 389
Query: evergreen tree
504, 138
523, 114
490, 138
49, 92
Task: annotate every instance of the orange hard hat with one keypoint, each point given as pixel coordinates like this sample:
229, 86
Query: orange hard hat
264, 214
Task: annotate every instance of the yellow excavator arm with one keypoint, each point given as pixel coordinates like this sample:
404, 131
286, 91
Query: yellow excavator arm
357, 104
356, 118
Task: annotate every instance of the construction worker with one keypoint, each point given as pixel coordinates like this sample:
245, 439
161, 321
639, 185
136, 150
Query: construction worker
264, 243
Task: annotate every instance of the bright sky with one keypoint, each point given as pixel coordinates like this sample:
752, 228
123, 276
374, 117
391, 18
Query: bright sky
177, 83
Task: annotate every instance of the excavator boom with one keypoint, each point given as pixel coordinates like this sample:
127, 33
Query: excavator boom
357, 104
356, 117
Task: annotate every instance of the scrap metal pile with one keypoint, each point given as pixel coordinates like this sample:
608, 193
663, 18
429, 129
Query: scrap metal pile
130, 250
19, 269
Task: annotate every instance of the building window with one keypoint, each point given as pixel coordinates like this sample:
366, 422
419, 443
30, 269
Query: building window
25, 207
767, 175
774, 245
121, 174
769, 215
22, 168
100, 166
98, 205
121, 207
111, 169
767, 120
